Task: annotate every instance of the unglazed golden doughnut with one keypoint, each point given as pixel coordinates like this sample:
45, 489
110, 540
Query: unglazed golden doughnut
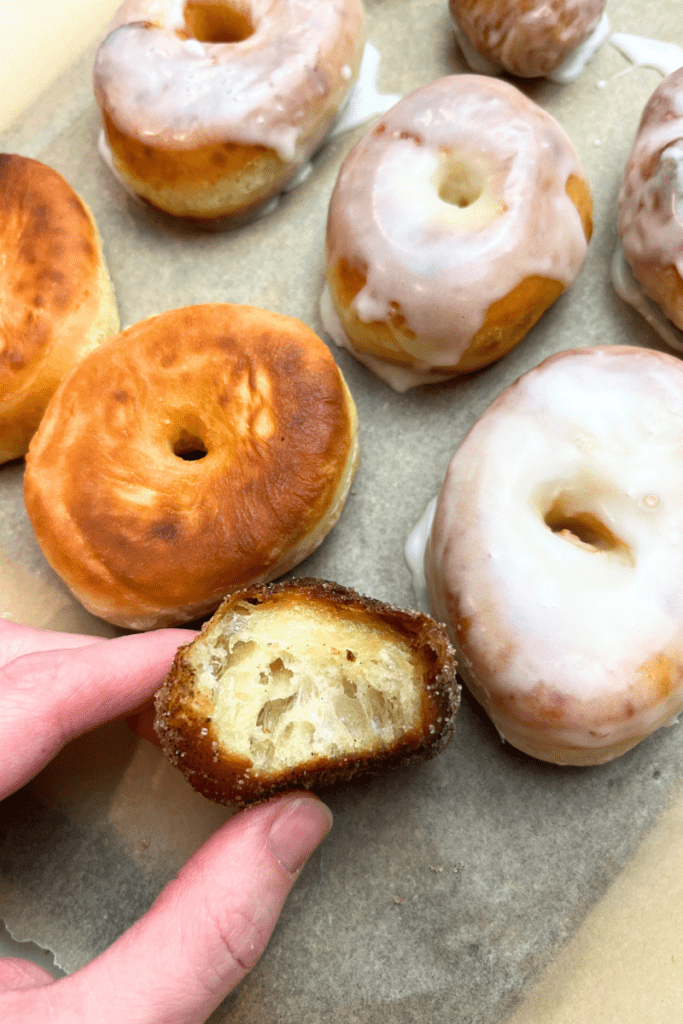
197, 452
651, 200
210, 107
528, 38
57, 302
305, 683
556, 554
454, 224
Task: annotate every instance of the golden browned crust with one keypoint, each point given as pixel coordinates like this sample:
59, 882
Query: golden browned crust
198, 451
219, 753
218, 180
56, 299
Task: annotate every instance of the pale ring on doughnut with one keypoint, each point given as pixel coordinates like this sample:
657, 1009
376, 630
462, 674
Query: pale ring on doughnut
651, 200
556, 554
196, 452
210, 107
454, 224
527, 38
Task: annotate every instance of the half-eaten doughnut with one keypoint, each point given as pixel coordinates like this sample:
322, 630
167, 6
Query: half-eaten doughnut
305, 684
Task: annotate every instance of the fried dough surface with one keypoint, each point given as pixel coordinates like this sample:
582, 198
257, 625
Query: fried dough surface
305, 683
56, 298
200, 450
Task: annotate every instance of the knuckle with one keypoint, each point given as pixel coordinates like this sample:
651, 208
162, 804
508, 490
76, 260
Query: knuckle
240, 944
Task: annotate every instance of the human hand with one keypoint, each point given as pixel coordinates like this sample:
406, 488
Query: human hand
209, 926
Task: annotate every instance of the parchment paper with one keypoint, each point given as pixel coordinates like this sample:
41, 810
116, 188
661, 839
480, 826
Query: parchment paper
445, 891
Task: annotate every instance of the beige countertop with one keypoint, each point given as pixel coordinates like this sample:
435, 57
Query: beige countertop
40, 39
625, 962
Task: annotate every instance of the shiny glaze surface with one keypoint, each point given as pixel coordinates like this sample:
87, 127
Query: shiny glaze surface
528, 38
431, 266
278, 87
555, 554
651, 199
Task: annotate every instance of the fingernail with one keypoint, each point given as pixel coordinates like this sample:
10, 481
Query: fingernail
296, 831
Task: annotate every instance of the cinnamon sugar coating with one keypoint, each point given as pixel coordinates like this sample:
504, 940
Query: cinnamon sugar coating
305, 684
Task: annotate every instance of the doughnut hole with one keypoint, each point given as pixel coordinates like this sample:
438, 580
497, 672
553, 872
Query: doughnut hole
215, 180
216, 23
460, 184
187, 436
570, 516
465, 183
189, 447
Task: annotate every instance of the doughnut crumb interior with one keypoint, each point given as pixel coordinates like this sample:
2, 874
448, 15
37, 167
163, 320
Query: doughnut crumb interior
305, 684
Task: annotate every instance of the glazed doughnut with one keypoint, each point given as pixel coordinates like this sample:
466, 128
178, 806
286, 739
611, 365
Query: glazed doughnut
555, 556
527, 38
651, 201
197, 452
210, 107
57, 302
454, 224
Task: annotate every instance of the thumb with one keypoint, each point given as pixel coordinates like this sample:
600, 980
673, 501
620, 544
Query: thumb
204, 932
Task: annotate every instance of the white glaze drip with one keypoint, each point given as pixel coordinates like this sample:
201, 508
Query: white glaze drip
414, 555
281, 87
628, 289
649, 53
443, 263
575, 64
400, 378
365, 100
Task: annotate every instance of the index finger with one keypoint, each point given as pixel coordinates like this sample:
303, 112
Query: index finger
16, 640
48, 697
